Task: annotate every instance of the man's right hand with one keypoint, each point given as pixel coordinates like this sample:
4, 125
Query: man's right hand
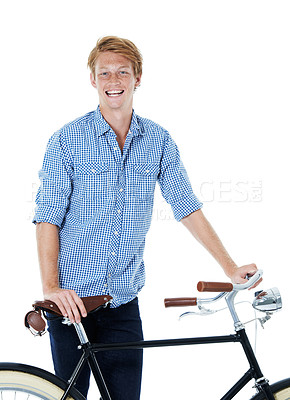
69, 303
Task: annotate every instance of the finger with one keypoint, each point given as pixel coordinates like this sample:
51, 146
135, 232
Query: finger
256, 284
68, 309
57, 300
79, 304
72, 308
251, 269
62, 308
74, 303
239, 278
250, 274
64, 299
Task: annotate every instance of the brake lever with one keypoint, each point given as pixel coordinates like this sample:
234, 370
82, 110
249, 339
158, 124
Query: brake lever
203, 312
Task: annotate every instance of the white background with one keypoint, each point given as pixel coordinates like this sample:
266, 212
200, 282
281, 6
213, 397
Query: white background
216, 75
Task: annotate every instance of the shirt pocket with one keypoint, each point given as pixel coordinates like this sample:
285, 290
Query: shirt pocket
92, 184
91, 168
92, 177
144, 177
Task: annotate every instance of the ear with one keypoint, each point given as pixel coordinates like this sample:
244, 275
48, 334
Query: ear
137, 81
93, 81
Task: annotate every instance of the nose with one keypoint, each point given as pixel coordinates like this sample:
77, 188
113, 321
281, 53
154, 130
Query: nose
114, 78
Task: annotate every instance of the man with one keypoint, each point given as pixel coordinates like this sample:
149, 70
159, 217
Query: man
94, 208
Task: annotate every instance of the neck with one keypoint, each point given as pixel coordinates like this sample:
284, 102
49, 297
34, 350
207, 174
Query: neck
119, 120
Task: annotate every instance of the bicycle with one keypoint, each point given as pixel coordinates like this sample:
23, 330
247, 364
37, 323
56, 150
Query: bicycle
18, 381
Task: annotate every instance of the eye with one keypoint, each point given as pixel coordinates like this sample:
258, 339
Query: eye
123, 73
103, 74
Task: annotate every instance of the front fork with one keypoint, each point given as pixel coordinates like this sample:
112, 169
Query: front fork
262, 384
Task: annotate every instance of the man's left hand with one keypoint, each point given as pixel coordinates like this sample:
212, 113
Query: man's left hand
239, 274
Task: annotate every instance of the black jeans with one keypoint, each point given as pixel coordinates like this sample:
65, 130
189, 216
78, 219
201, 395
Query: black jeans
121, 369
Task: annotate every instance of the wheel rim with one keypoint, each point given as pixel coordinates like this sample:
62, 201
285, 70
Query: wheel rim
16, 385
283, 394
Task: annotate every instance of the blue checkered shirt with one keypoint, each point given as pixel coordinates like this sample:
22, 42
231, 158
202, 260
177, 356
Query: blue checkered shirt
102, 199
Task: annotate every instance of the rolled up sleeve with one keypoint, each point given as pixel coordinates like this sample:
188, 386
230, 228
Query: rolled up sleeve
52, 199
174, 182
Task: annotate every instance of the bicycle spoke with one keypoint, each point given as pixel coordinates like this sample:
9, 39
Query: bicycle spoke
19, 395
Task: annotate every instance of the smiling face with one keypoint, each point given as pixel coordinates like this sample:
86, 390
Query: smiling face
115, 81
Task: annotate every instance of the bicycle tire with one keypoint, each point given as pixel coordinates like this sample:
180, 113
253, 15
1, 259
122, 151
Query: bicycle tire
20, 381
281, 391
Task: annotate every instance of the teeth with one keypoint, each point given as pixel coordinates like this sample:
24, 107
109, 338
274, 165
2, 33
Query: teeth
114, 92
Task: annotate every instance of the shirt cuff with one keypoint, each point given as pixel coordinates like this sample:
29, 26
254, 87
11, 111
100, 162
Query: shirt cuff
49, 214
185, 207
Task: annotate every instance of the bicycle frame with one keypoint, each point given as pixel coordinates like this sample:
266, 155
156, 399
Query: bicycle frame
254, 372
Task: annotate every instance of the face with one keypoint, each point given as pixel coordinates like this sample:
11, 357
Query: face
115, 81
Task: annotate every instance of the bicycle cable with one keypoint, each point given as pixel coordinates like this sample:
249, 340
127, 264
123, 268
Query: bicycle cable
205, 312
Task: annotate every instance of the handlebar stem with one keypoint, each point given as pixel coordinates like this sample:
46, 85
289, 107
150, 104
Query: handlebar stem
230, 299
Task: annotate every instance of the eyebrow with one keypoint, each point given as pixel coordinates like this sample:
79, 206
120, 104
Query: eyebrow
122, 66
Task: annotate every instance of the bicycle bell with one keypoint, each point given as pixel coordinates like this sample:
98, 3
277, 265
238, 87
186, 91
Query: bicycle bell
268, 300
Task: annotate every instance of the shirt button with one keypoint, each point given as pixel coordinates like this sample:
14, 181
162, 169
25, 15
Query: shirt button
106, 285
113, 253
116, 233
109, 275
115, 148
119, 211
93, 170
121, 190
147, 170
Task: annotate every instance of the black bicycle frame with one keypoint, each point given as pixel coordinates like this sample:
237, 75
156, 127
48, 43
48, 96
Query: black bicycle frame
254, 371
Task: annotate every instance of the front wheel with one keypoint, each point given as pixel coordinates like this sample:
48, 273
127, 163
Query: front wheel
20, 382
280, 390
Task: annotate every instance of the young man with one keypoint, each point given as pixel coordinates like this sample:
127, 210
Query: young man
94, 208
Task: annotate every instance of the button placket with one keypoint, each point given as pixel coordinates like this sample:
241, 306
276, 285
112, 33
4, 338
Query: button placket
115, 148
117, 223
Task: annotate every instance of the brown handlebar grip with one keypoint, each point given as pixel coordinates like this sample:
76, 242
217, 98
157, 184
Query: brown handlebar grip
180, 302
214, 286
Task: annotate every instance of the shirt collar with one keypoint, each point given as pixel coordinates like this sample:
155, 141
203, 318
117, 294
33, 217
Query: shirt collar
102, 126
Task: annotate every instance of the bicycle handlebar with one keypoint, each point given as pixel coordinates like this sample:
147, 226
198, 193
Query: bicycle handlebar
180, 302
214, 286
222, 287
227, 286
